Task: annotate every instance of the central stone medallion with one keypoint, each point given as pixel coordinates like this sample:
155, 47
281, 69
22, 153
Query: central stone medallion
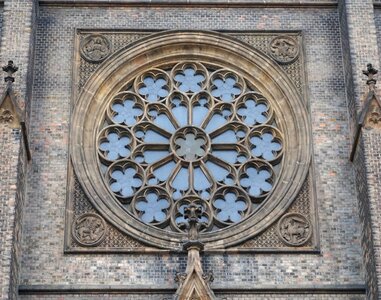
190, 143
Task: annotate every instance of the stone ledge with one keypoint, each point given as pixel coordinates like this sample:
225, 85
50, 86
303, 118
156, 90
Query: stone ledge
164, 289
214, 3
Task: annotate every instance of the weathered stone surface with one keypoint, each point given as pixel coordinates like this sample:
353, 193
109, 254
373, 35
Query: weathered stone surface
338, 41
334, 180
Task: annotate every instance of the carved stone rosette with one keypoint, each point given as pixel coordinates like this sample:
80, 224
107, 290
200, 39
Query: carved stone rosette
294, 229
284, 49
89, 229
95, 48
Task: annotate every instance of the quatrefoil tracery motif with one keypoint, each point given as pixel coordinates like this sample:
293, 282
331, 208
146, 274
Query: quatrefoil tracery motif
190, 133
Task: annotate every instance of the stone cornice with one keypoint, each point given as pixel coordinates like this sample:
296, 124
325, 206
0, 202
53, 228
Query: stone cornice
166, 289
194, 3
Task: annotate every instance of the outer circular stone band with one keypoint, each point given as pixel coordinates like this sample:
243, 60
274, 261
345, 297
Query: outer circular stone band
252, 110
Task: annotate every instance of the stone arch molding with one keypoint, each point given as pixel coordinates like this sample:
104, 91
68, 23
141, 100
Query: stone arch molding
171, 47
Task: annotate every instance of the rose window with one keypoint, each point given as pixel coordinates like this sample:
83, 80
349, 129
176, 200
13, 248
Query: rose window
181, 118
190, 132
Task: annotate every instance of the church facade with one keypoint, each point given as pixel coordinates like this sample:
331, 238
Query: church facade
190, 149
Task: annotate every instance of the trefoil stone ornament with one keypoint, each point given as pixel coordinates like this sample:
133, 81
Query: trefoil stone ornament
194, 283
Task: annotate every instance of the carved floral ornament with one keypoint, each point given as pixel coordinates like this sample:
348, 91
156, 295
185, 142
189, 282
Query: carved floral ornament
175, 126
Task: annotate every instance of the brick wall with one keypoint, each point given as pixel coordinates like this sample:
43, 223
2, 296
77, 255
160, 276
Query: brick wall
16, 42
362, 49
220, 296
43, 261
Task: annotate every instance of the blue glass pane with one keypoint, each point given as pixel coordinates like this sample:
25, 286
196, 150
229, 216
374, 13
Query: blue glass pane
115, 146
226, 89
230, 156
154, 89
180, 183
151, 156
256, 181
190, 147
153, 208
126, 113
201, 183
230, 208
125, 182
180, 112
199, 112
217, 120
219, 173
151, 137
189, 80
226, 137
253, 113
265, 146
162, 121
162, 173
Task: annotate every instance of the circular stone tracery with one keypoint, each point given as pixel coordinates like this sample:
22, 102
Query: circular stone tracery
190, 143
154, 91
207, 131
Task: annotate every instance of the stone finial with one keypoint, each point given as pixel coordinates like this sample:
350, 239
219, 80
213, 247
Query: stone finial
193, 213
370, 72
194, 284
10, 68
370, 115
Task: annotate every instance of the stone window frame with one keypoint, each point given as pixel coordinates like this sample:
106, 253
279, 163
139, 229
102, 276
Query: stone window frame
158, 48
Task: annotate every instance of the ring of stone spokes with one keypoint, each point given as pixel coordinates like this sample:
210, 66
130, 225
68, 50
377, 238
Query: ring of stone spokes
190, 144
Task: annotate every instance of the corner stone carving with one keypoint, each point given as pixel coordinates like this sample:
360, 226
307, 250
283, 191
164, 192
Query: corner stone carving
284, 49
89, 229
95, 48
294, 229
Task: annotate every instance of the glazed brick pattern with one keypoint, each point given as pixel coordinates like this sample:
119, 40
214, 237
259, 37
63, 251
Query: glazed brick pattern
219, 297
43, 261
